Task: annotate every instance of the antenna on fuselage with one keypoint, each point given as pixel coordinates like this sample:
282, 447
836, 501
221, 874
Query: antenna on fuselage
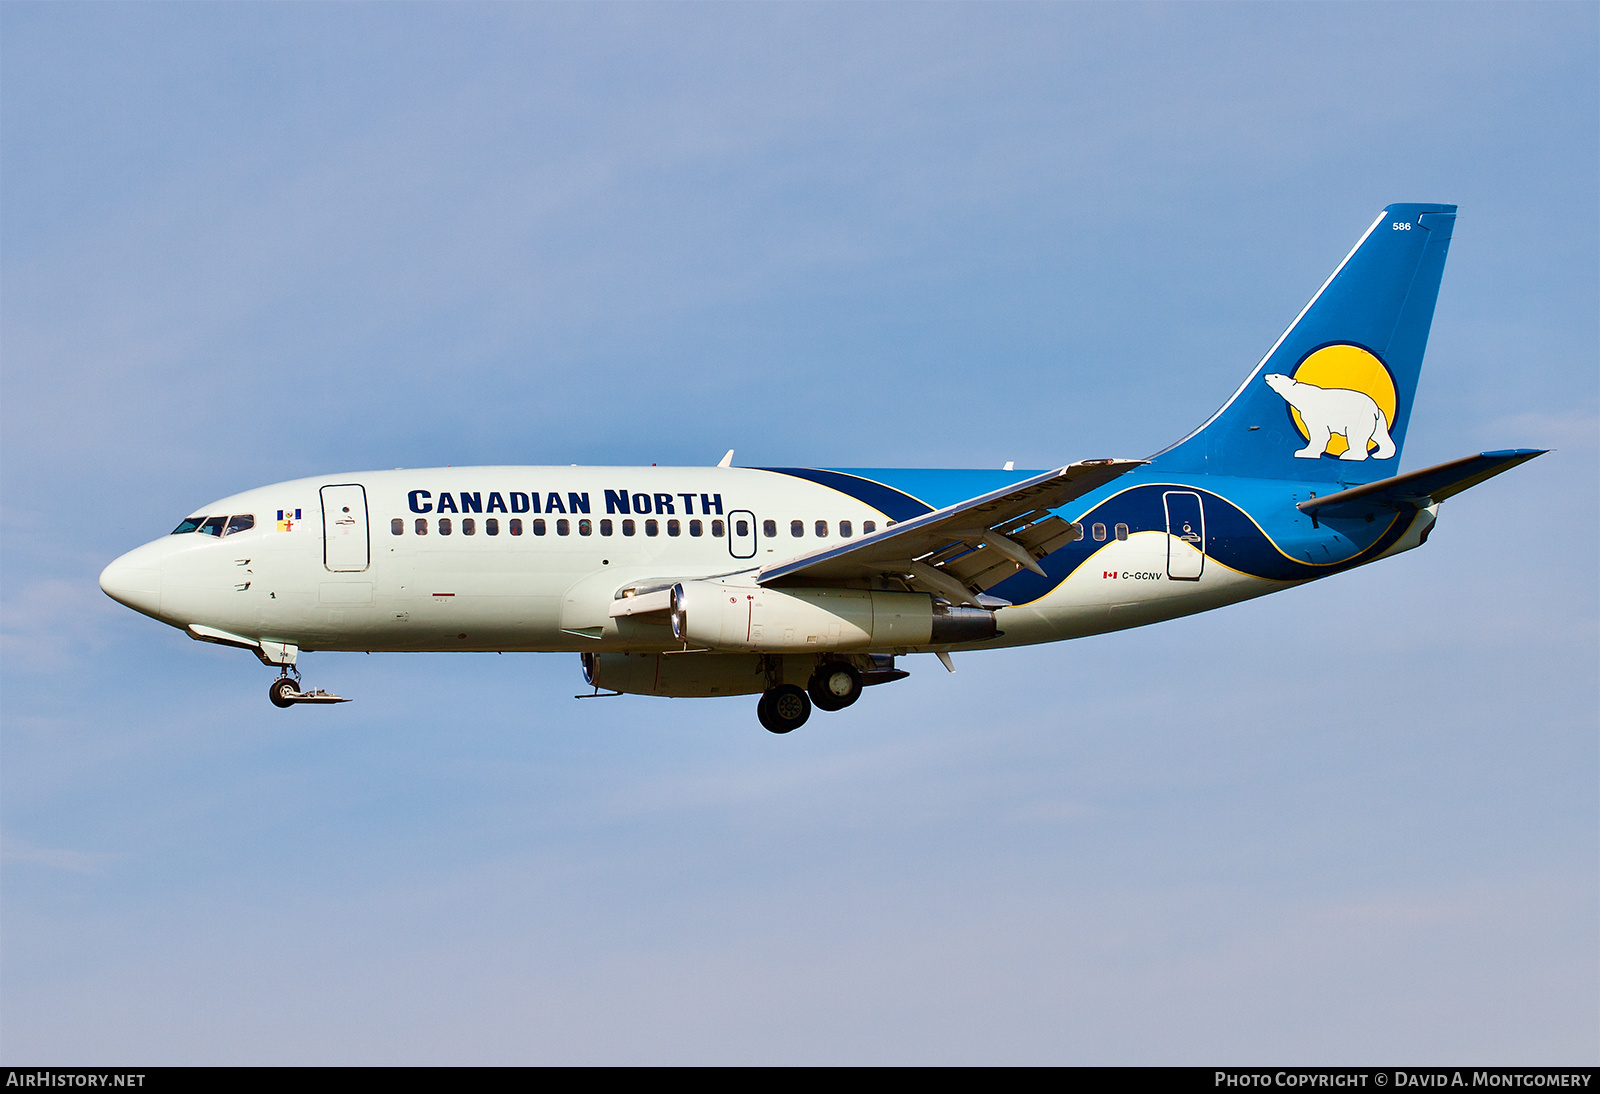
726, 461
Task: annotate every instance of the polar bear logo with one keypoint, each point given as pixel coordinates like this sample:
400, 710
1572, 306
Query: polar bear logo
1329, 410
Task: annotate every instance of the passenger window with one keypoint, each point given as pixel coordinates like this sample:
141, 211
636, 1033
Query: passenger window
868, 527
241, 522
605, 527
422, 526
516, 526
1077, 530
538, 526
188, 525
1122, 531
740, 528
674, 528
628, 527
398, 526
844, 529
769, 528
652, 527
586, 527
716, 528
491, 526
444, 526
469, 527
213, 526
1099, 533
696, 528
797, 528
822, 529
563, 527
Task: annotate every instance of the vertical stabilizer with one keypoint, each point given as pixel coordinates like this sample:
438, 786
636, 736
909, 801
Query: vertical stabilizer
1331, 400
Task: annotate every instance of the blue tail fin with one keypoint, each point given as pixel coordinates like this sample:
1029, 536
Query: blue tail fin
1331, 400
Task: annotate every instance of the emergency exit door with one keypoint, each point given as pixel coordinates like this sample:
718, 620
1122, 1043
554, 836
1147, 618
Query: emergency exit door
742, 534
346, 548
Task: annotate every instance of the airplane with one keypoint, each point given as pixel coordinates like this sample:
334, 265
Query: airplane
804, 585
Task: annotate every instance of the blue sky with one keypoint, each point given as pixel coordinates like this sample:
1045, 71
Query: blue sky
1355, 822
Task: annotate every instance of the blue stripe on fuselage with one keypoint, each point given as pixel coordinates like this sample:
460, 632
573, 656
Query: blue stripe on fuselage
1232, 539
891, 502
1252, 525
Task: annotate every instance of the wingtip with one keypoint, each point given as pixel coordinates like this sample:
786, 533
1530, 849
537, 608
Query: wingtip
1109, 462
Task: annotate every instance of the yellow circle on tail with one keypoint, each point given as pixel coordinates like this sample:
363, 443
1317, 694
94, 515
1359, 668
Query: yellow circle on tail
1354, 369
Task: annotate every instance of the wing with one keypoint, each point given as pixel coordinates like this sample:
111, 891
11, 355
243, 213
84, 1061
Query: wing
963, 549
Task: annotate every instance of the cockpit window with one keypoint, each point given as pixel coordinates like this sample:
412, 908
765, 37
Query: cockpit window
217, 526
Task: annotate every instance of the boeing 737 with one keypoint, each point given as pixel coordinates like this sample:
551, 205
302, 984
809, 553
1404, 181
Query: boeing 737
804, 585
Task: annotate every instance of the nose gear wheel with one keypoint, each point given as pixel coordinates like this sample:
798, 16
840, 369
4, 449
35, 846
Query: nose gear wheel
285, 692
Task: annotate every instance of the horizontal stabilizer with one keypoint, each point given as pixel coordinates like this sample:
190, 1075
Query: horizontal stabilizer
1418, 489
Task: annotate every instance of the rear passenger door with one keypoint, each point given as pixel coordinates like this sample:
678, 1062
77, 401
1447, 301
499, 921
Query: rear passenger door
1186, 535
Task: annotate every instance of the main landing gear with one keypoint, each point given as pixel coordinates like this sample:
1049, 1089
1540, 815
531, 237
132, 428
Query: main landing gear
783, 708
834, 686
285, 692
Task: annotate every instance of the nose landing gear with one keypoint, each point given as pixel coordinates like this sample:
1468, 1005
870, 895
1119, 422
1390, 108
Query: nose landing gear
285, 692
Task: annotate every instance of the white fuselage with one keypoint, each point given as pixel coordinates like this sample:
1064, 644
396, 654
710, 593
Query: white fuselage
533, 559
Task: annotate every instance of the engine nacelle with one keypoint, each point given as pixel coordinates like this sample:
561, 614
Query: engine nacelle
723, 615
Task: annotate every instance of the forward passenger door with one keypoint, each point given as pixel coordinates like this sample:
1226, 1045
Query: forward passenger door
346, 540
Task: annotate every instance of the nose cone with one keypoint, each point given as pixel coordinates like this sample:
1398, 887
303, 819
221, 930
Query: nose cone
134, 580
